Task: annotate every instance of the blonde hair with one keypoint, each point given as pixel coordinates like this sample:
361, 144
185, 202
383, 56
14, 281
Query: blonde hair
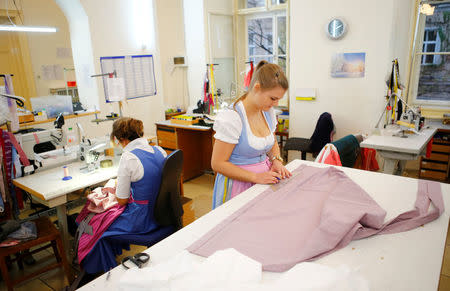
127, 128
268, 76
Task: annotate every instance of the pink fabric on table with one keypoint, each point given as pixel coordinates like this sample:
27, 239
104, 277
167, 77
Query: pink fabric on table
102, 200
318, 212
240, 186
100, 223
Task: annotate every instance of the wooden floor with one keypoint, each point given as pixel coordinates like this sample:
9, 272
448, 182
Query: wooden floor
200, 191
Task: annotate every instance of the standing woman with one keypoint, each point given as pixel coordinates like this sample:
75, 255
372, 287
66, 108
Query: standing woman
246, 151
138, 183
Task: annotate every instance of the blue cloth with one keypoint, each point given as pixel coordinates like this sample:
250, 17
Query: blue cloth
243, 154
136, 222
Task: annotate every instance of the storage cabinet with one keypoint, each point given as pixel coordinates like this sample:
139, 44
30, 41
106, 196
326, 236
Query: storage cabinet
196, 143
437, 165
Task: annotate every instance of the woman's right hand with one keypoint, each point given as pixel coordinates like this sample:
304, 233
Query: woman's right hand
269, 177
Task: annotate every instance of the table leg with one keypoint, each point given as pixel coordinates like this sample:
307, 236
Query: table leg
62, 224
401, 167
389, 165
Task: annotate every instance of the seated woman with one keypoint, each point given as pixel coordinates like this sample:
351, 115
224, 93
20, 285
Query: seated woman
138, 182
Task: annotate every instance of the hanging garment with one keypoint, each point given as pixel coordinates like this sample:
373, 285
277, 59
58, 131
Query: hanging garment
348, 149
317, 212
368, 160
13, 117
329, 155
9, 169
2, 181
323, 133
248, 77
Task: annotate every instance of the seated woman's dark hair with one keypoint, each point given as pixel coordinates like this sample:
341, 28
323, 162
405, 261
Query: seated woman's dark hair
127, 128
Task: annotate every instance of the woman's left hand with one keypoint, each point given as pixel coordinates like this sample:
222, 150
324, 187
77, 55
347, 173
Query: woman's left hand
277, 166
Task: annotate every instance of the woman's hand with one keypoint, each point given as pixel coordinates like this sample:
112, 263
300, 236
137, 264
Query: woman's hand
277, 166
269, 177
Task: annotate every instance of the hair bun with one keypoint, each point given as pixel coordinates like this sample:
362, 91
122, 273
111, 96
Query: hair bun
260, 64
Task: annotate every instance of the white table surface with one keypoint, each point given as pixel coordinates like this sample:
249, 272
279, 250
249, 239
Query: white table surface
403, 261
169, 123
413, 144
49, 183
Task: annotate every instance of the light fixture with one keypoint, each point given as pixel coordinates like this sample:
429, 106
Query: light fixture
26, 28
427, 9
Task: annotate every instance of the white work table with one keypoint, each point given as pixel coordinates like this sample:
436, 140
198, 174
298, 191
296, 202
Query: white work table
403, 261
396, 149
48, 188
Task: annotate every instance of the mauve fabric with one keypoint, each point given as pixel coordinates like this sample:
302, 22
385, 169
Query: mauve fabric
318, 212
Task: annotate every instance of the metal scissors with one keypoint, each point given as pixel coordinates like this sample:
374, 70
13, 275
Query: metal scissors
139, 260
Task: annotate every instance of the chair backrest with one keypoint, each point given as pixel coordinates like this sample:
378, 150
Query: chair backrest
322, 132
168, 208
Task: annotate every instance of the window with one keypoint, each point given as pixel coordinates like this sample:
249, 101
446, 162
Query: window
430, 73
266, 34
431, 44
262, 34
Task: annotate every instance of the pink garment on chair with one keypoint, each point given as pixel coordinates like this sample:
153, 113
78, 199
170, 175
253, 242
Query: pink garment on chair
318, 212
329, 155
102, 199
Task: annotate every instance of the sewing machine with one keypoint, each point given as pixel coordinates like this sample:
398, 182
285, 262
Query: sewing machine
411, 120
90, 150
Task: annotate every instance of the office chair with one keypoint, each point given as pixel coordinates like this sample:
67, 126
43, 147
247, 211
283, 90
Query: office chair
321, 136
168, 210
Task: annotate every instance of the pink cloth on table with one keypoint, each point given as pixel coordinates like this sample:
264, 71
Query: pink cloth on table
318, 212
102, 200
100, 223
240, 186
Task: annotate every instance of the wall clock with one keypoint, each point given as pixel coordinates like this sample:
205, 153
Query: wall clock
336, 28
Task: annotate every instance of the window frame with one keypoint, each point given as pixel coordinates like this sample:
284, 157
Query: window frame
416, 54
273, 15
437, 46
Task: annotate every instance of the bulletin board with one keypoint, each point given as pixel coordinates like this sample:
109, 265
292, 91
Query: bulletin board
137, 72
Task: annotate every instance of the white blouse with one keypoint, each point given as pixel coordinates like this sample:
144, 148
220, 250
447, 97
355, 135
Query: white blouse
130, 167
228, 127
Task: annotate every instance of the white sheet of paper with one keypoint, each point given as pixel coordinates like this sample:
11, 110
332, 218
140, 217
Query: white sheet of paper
305, 92
116, 89
63, 52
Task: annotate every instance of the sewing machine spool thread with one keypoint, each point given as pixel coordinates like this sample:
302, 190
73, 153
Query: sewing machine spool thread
66, 174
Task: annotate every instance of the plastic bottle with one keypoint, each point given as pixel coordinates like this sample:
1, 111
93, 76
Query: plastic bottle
44, 114
71, 137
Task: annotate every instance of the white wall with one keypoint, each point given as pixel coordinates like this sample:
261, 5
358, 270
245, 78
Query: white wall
43, 46
170, 24
81, 44
379, 28
122, 28
194, 29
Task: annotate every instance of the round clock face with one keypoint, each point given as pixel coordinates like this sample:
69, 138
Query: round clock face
336, 28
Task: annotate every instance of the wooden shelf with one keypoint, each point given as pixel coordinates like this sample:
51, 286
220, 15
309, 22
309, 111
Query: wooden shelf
26, 124
437, 165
